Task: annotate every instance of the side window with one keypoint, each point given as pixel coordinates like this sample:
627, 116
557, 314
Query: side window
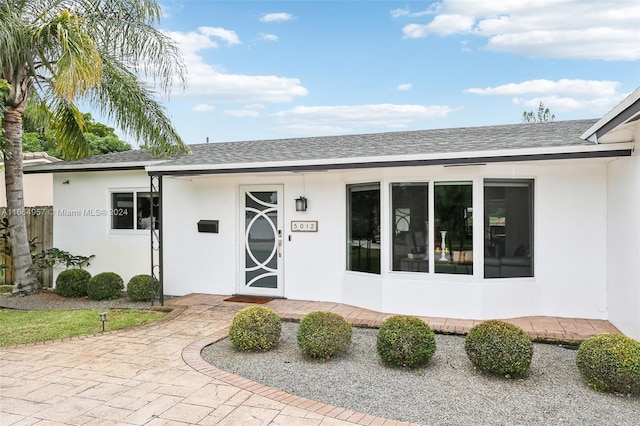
363, 228
122, 211
129, 214
508, 225
410, 226
453, 216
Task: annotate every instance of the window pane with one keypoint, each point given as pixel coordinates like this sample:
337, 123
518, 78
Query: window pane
410, 226
453, 213
508, 224
144, 205
363, 233
122, 210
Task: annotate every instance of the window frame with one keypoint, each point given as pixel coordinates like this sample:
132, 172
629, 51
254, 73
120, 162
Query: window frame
530, 184
376, 186
137, 193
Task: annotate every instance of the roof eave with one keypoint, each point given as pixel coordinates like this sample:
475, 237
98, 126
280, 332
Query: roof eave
619, 115
531, 154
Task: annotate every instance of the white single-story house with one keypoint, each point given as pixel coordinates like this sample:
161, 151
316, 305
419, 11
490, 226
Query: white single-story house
478, 222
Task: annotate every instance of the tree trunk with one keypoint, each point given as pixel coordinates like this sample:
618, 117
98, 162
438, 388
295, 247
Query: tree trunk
25, 277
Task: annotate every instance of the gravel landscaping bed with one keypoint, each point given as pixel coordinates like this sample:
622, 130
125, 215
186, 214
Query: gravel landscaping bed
446, 392
48, 300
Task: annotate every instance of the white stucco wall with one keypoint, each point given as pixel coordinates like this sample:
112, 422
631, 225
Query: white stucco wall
570, 240
38, 190
82, 225
624, 243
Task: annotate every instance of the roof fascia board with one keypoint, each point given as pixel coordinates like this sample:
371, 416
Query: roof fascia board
617, 116
626, 152
100, 167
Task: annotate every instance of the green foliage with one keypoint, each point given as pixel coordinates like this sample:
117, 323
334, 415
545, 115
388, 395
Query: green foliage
141, 288
255, 328
105, 286
405, 341
543, 115
322, 334
73, 282
54, 256
610, 363
500, 348
5, 289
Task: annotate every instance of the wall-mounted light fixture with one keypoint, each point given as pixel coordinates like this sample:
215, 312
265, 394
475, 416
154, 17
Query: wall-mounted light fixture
65, 182
301, 204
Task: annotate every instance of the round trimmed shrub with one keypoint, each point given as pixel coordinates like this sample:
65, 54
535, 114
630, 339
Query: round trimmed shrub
500, 348
255, 328
105, 286
610, 363
140, 288
73, 282
322, 334
405, 341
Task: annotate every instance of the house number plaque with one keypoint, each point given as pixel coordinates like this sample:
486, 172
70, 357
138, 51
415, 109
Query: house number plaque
304, 226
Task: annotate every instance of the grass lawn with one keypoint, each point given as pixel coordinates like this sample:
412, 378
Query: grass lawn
17, 327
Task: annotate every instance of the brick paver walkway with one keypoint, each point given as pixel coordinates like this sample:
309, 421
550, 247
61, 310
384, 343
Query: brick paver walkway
154, 375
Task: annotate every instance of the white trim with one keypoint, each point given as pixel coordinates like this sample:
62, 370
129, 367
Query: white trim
590, 135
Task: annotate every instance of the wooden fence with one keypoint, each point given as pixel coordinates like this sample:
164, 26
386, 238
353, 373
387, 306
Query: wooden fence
40, 232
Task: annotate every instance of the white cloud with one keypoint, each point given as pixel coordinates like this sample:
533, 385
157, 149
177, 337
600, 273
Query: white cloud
560, 95
203, 108
346, 118
212, 82
267, 37
406, 86
276, 17
563, 86
227, 35
567, 29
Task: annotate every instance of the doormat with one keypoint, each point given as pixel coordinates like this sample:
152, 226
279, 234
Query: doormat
249, 299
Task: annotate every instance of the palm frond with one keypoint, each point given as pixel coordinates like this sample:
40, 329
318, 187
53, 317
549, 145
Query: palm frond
77, 67
124, 98
69, 127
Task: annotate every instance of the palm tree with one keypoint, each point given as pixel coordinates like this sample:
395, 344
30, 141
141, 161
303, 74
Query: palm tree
56, 53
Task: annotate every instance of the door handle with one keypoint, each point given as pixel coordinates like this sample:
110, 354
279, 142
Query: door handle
279, 247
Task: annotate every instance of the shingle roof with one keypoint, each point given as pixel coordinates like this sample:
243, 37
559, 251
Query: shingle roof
494, 140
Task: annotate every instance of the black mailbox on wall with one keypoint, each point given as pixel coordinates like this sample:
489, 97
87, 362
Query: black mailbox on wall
210, 226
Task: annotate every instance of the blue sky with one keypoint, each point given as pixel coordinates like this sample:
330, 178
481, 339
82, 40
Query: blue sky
279, 69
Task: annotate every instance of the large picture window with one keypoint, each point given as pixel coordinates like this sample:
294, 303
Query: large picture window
508, 225
410, 226
132, 210
363, 228
453, 217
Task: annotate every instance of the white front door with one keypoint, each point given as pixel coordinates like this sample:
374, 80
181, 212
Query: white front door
262, 241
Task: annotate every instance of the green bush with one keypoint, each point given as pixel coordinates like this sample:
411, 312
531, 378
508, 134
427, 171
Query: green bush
140, 288
610, 363
105, 286
500, 348
322, 334
405, 341
73, 282
255, 328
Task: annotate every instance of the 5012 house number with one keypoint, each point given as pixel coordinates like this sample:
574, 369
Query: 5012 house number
304, 226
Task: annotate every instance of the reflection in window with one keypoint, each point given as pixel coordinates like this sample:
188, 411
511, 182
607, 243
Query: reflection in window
363, 228
410, 226
124, 210
508, 224
453, 215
